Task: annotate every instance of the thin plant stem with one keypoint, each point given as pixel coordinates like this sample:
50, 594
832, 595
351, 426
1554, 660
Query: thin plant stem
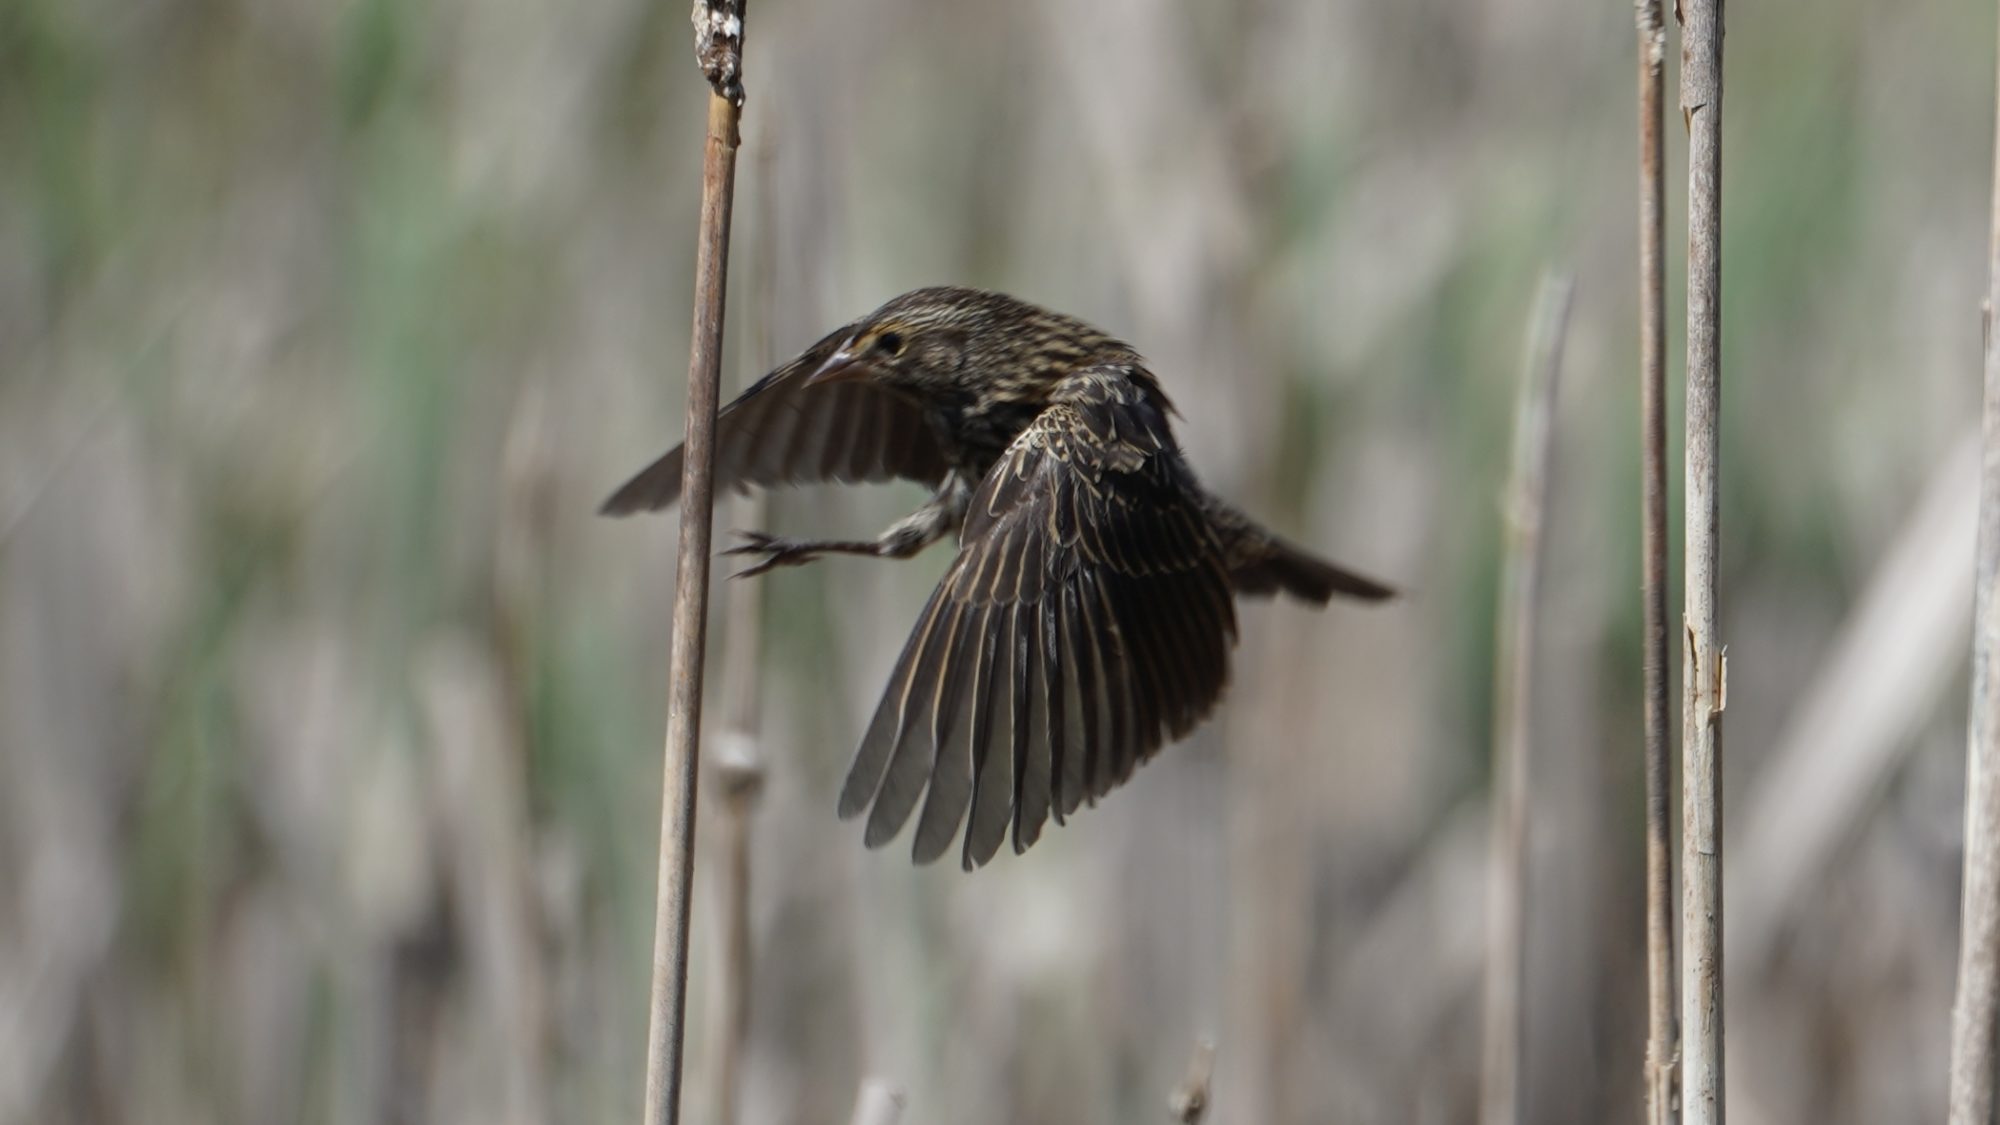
878, 1104
741, 775
718, 48
1975, 1011
1661, 1108
1704, 675
1192, 1094
1521, 565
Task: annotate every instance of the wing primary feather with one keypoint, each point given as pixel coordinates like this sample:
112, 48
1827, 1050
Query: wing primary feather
951, 774
1211, 638
1026, 650
1083, 709
1131, 681
1114, 671
1134, 644
852, 458
1156, 647
1215, 606
654, 487
908, 766
1222, 615
891, 720
1177, 647
1034, 735
1222, 602
764, 439
1055, 697
1093, 646
1148, 692
991, 794
1184, 649
831, 419
1158, 603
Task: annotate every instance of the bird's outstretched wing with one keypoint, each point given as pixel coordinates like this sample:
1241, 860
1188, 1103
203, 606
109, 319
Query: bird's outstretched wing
782, 431
1085, 621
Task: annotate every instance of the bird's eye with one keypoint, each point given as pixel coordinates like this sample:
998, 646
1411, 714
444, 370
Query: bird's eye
890, 343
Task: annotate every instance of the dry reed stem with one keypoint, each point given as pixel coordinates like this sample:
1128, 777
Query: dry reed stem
1976, 1008
1660, 1073
718, 47
1703, 672
878, 1104
740, 774
1506, 916
1189, 1101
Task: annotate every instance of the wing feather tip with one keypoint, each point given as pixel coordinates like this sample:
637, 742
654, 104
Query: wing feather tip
625, 503
851, 804
927, 849
882, 828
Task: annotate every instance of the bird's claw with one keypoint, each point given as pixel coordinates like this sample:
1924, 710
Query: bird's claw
777, 552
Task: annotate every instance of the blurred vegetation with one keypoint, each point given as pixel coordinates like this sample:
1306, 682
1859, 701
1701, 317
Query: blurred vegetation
329, 710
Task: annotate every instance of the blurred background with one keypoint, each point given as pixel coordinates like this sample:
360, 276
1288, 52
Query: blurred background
330, 713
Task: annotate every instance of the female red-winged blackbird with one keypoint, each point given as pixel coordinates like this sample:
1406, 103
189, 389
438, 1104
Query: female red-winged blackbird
1087, 617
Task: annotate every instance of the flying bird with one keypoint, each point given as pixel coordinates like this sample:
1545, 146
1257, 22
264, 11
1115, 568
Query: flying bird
1088, 616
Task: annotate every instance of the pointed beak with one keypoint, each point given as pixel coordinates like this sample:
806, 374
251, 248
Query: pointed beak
840, 367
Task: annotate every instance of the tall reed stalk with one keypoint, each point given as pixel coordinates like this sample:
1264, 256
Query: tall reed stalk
1661, 1108
1703, 671
1514, 649
718, 28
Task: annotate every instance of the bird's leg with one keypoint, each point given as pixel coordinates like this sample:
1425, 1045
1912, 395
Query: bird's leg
921, 528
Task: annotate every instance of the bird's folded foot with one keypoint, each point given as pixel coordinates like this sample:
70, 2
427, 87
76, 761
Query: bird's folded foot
777, 552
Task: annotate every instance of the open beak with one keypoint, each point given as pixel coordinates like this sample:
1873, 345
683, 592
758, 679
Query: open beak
840, 367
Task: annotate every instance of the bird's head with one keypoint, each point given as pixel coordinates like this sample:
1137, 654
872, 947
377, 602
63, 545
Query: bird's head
929, 339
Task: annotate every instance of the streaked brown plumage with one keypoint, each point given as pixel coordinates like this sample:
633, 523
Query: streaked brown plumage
1088, 615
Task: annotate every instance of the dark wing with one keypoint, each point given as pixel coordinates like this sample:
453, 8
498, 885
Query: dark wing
782, 431
1085, 621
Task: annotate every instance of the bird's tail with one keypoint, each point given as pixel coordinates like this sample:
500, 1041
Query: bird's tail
1288, 568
